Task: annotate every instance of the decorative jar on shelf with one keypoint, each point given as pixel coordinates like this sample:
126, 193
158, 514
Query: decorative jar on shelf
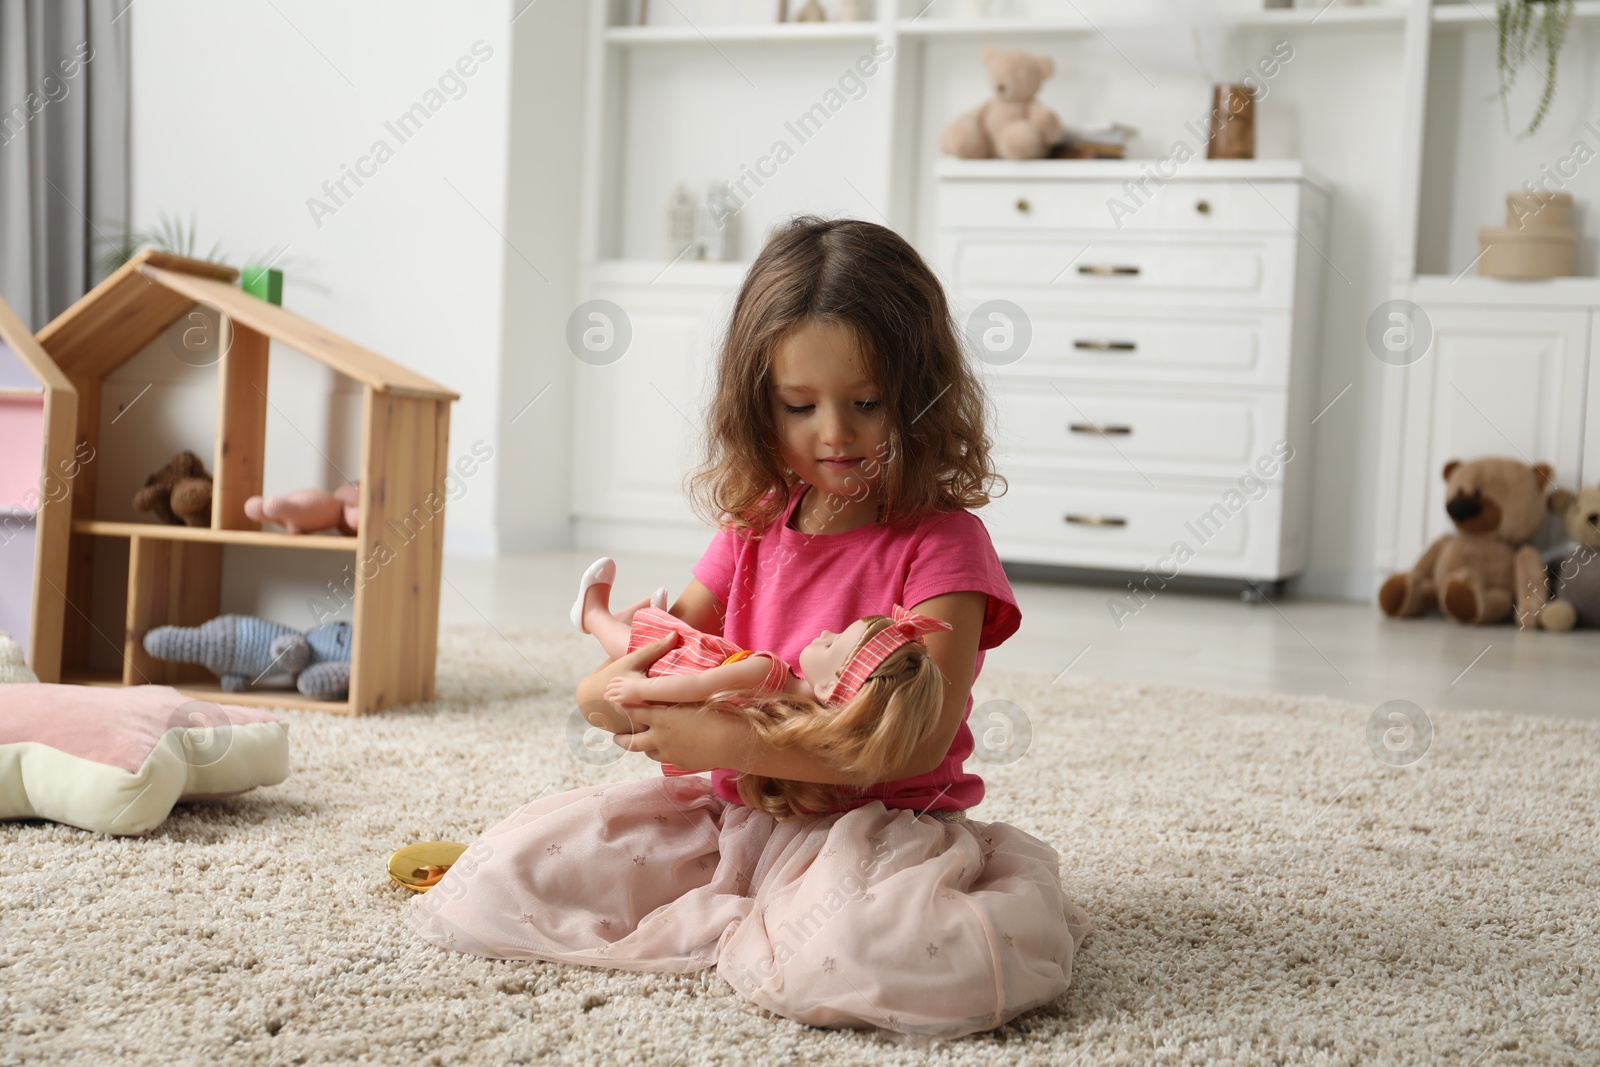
1537, 240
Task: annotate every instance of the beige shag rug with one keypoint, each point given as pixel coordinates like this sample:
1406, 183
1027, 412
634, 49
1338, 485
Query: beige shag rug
1265, 891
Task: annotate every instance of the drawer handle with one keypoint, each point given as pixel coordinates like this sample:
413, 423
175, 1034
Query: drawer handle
1106, 268
1106, 346
1203, 206
1095, 520
1098, 427
1023, 205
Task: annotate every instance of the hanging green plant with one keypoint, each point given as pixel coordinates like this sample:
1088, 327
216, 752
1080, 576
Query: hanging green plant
1526, 27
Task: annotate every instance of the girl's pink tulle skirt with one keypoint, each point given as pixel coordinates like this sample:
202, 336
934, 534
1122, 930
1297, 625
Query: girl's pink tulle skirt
872, 918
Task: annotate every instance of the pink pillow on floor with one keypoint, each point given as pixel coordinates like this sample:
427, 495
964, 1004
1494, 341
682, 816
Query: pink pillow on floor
116, 760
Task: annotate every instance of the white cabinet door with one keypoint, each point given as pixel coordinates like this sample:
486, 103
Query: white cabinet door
1497, 382
640, 419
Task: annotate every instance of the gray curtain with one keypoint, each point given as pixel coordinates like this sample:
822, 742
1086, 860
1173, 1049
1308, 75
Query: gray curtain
63, 148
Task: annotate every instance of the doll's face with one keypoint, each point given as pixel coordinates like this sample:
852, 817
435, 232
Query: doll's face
823, 660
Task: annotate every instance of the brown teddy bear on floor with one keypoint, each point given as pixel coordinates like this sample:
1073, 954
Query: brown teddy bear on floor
179, 494
1478, 574
1575, 580
1013, 125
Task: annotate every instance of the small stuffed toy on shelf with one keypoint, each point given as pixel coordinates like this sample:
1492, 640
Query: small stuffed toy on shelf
13, 667
178, 494
307, 511
1012, 125
1486, 571
241, 649
1575, 578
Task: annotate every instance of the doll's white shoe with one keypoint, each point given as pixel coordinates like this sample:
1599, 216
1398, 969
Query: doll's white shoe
602, 571
658, 599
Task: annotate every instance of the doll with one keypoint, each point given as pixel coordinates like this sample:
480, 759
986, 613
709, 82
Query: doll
307, 511
882, 691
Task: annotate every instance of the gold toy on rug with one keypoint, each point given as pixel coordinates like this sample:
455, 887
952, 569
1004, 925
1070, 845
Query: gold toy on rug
419, 867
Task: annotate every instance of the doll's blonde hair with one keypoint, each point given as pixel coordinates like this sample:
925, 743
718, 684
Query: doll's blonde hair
890, 717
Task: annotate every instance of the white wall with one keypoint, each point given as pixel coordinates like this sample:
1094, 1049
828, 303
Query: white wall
533, 407
241, 113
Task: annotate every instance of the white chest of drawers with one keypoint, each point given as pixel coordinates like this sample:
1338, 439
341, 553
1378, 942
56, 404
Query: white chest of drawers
1160, 418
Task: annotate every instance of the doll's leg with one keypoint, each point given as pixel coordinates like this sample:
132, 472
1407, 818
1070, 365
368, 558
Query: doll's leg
611, 631
594, 588
592, 611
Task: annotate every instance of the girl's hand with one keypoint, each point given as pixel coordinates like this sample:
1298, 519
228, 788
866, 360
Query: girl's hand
596, 709
627, 688
687, 736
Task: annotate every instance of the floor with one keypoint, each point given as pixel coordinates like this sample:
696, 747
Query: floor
1207, 640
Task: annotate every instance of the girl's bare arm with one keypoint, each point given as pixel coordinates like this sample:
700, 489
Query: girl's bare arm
700, 608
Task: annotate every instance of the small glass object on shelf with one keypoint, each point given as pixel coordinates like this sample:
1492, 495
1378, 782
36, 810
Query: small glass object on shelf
714, 224
680, 222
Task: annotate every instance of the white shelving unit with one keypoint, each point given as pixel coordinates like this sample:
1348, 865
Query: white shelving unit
626, 61
1514, 366
688, 103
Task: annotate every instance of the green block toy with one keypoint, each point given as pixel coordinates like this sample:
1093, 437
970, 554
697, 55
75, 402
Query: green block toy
264, 282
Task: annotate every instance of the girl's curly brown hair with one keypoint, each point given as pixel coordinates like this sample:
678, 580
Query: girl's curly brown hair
867, 278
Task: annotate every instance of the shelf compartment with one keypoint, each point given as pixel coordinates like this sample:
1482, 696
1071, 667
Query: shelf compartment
170, 583
206, 535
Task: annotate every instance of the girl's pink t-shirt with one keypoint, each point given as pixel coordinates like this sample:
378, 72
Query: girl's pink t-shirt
785, 588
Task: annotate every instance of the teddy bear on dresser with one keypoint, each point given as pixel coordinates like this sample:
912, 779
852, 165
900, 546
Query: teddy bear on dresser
1012, 125
1487, 568
1575, 578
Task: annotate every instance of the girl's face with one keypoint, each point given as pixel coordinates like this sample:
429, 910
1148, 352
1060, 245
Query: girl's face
825, 406
823, 660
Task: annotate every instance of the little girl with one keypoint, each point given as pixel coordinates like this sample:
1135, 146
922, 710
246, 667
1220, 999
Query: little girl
846, 447
882, 691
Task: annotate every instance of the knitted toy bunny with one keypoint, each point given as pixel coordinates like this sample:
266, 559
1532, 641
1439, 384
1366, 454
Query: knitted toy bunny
241, 650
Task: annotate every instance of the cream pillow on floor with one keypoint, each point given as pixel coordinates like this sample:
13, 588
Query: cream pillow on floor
116, 760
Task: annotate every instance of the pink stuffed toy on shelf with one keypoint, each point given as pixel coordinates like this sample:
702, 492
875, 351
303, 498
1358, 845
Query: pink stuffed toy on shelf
306, 511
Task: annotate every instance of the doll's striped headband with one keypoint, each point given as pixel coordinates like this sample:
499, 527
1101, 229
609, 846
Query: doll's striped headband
907, 627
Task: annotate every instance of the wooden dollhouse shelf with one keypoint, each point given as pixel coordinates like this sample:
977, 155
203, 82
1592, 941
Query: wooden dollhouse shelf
176, 574
206, 535
253, 698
